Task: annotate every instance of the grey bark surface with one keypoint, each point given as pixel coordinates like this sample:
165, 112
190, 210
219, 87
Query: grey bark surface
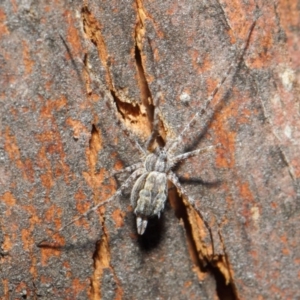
74, 74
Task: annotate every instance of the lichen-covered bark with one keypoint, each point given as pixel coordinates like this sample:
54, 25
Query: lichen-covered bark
77, 78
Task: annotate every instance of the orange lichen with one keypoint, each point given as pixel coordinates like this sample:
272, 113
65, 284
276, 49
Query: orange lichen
3, 27
204, 65
48, 252
9, 199
118, 217
78, 286
94, 147
53, 214
7, 244
52, 105
73, 38
78, 127
245, 192
28, 62
12, 149
92, 29
82, 204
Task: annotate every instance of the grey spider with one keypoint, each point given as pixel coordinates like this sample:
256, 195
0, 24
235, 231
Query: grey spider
150, 177
150, 190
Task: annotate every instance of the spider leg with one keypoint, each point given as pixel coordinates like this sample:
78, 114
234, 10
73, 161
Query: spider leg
128, 169
174, 144
186, 155
174, 179
129, 180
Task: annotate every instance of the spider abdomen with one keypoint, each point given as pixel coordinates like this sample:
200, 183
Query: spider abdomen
148, 197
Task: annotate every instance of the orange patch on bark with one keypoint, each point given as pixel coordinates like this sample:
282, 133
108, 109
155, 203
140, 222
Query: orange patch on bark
187, 284
226, 137
173, 9
48, 252
245, 192
28, 169
264, 57
47, 179
94, 148
77, 127
247, 199
26, 239
118, 165
224, 157
9, 199
296, 166
12, 149
20, 287
3, 27
81, 204
28, 62
93, 29
6, 288
118, 217
78, 286
46, 137
50, 105
72, 35
53, 215
202, 67
285, 251
7, 244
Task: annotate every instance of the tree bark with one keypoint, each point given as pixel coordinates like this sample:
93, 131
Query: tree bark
79, 78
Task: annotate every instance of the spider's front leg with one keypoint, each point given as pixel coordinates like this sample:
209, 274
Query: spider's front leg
186, 155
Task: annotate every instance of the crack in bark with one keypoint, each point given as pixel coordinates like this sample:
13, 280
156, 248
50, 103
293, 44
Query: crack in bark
92, 29
102, 261
101, 255
226, 271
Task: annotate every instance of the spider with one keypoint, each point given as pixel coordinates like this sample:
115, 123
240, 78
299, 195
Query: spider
150, 177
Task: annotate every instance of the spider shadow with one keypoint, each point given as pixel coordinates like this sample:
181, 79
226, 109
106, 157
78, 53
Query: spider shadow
199, 181
69, 246
153, 234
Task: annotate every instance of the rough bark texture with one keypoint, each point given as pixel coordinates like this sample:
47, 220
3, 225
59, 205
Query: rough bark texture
74, 73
